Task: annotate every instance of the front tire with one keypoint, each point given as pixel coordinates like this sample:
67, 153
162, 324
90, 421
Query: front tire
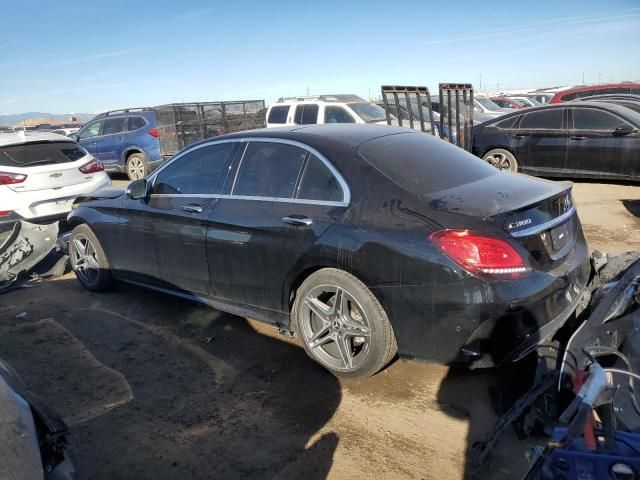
137, 166
342, 325
501, 159
88, 260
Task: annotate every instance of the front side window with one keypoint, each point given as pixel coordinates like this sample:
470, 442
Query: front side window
91, 130
269, 170
543, 119
200, 171
306, 114
338, 115
592, 119
114, 125
318, 182
278, 114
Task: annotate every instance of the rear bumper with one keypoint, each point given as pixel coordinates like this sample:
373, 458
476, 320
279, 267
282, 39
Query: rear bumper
484, 324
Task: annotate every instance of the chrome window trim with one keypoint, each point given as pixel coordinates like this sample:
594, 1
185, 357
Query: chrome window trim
346, 192
545, 225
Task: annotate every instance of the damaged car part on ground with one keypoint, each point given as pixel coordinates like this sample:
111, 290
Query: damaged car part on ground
32, 438
22, 247
606, 330
293, 244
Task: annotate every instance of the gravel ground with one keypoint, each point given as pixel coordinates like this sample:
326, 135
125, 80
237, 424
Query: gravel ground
156, 387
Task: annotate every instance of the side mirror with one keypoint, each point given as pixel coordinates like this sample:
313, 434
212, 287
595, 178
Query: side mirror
138, 189
623, 130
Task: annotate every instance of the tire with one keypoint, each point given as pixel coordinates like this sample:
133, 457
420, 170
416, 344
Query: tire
501, 159
137, 166
357, 341
88, 260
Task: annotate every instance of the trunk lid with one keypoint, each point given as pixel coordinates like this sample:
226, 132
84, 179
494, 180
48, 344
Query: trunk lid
538, 213
47, 165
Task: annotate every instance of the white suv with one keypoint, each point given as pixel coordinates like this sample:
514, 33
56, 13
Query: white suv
41, 174
324, 109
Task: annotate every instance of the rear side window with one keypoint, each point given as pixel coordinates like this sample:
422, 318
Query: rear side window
592, 119
574, 95
338, 115
43, 153
318, 182
543, 119
278, 114
506, 123
416, 162
136, 123
197, 172
114, 125
306, 114
269, 170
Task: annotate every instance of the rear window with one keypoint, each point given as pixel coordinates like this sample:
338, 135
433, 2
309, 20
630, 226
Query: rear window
40, 153
278, 114
506, 123
420, 163
306, 114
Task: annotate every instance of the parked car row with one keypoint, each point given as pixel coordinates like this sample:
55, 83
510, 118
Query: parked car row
581, 139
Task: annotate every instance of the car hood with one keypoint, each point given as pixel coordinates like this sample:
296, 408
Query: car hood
495, 194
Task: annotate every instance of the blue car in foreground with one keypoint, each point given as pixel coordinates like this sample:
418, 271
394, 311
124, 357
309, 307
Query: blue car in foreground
125, 141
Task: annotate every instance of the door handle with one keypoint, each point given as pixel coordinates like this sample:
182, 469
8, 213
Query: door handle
192, 208
577, 137
519, 136
298, 221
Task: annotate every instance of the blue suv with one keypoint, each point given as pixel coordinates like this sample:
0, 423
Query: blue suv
125, 141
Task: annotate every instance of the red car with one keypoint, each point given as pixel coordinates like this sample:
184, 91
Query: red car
506, 102
587, 91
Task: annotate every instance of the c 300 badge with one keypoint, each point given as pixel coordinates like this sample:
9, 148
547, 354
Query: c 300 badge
55, 175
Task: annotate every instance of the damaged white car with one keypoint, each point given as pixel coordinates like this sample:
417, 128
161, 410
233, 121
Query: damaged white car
40, 176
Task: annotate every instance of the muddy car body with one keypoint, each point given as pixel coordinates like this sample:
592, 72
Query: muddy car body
396, 217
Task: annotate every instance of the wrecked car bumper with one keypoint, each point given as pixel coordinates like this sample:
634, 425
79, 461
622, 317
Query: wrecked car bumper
483, 324
32, 438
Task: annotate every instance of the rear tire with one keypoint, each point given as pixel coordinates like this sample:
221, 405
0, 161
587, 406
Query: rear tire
353, 339
501, 159
137, 166
88, 260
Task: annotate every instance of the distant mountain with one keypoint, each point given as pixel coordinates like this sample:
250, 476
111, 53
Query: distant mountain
15, 118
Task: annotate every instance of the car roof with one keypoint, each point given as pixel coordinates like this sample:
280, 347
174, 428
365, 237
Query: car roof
17, 138
348, 135
602, 86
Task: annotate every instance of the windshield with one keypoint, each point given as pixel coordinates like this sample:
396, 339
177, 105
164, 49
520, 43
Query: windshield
486, 103
369, 112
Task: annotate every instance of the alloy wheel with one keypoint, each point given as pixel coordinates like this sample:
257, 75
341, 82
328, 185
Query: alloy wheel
335, 327
135, 168
499, 160
84, 259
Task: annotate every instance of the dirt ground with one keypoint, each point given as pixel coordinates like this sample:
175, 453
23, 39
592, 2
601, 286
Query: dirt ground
154, 387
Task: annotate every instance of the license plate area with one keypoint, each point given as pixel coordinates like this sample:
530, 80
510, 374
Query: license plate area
560, 239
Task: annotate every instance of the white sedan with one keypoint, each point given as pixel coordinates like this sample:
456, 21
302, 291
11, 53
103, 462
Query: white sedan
40, 176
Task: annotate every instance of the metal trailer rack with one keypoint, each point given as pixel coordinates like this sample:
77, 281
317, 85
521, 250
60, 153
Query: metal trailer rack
181, 124
413, 103
456, 113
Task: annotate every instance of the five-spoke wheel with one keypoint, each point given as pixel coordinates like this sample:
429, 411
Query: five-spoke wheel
88, 260
501, 159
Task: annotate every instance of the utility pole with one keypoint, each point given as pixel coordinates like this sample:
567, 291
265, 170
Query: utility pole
498, 87
307, 90
582, 78
599, 75
480, 89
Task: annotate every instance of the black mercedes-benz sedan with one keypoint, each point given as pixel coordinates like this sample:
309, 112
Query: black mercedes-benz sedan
574, 139
364, 240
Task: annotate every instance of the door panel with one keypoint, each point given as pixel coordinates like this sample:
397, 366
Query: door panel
251, 249
546, 140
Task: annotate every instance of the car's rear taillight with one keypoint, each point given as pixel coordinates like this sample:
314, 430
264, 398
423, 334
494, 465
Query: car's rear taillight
481, 255
7, 178
93, 166
5, 213
154, 132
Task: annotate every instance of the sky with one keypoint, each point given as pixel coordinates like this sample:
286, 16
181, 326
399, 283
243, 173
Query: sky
91, 56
